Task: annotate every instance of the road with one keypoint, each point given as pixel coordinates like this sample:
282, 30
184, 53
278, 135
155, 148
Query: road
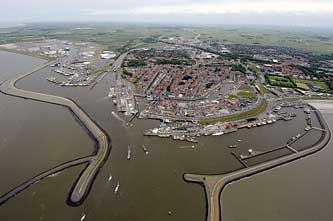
115, 66
214, 184
84, 183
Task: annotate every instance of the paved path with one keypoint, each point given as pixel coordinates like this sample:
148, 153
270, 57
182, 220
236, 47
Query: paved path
214, 184
86, 179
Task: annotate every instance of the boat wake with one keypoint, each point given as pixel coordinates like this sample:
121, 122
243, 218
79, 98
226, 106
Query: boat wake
115, 115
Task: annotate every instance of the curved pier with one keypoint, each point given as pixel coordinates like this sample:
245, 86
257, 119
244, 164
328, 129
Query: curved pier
41, 176
214, 184
86, 179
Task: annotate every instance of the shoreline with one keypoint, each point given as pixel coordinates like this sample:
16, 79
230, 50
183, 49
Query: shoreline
215, 184
47, 59
84, 183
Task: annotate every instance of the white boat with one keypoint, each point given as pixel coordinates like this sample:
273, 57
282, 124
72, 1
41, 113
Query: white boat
83, 217
117, 188
218, 134
145, 149
129, 153
55, 174
110, 178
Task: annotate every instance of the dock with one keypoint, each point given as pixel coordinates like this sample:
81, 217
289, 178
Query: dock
215, 184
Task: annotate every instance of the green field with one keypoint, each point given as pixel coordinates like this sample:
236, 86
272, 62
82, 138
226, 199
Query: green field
117, 36
252, 113
280, 81
231, 97
246, 91
247, 94
317, 42
307, 84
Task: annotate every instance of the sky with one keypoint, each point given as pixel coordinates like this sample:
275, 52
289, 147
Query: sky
316, 13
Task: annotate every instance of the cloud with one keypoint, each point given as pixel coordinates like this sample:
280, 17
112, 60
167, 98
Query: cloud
276, 12
234, 7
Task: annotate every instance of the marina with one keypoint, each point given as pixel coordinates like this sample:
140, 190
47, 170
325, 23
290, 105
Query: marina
215, 184
231, 138
187, 131
219, 149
